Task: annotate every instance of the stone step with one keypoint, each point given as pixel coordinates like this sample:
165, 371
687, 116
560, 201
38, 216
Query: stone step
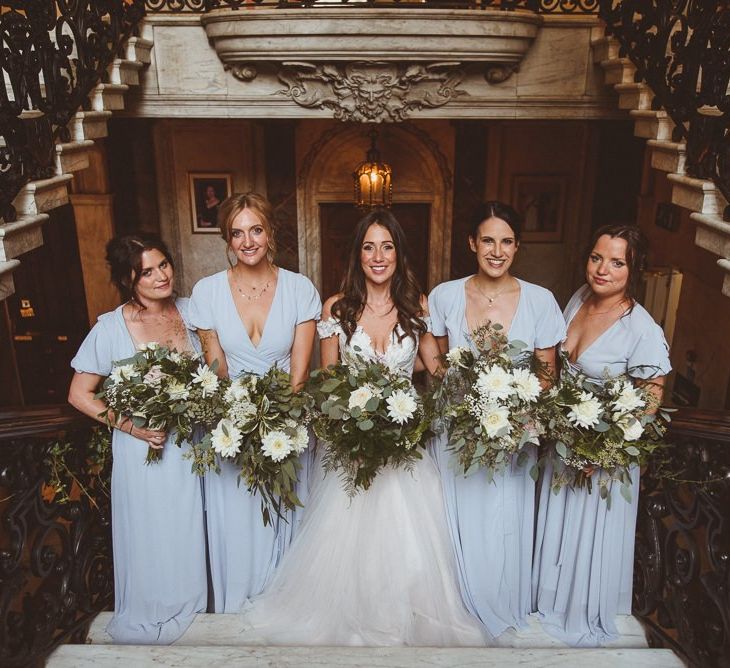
724, 264
7, 286
126, 72
699, 195
225, 630
99, 656
713, 233
668, 156
634, 96
72, 156
618, 70
21, 236
43, 195
605, 48
651, 124
138, 48
89, 125
108, 97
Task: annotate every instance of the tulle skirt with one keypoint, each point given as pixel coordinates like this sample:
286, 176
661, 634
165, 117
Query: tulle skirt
376, 569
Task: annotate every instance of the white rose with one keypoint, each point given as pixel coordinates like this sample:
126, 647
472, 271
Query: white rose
177, 391
494, 419
276, 445
207, 380
237, 391
226, 439
176, 357
300, 442
632, 429
586, 413
121, 373
150, 345
401, 406
455, 355
360, 397
526, 384
494, 383
628, 399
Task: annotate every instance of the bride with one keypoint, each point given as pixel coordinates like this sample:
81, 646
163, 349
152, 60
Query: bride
375, 569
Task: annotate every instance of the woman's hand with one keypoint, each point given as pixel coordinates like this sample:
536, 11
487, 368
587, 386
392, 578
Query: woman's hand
155, 439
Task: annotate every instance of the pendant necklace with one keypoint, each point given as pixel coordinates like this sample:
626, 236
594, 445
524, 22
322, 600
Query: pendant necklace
256, 292
491, 299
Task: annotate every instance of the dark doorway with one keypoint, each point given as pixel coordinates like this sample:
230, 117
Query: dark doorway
337, 222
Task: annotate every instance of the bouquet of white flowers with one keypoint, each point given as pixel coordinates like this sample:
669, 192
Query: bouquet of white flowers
160, 389
491, 401
263, 431
610, 425
369, 417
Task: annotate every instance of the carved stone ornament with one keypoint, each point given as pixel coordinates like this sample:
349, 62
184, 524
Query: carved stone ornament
370, 91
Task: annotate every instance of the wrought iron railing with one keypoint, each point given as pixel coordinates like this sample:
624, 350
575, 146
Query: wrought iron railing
55, 533
680, 50
541, 6
682, 560
52, 54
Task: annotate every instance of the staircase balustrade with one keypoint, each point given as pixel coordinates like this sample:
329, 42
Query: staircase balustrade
680, 50
52, 54
55, 553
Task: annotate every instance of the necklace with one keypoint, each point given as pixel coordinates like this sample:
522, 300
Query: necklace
256, 291
380, 315
494, 296
604, 312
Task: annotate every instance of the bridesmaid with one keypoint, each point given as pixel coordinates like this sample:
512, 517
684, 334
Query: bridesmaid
492, 524
158, 533
584, 552
249, 318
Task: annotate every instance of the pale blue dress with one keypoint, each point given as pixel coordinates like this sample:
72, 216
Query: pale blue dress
242, 551
492, 523
158, 531
584, 552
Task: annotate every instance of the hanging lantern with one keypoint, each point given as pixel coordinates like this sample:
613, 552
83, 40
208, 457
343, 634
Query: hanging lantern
373, 186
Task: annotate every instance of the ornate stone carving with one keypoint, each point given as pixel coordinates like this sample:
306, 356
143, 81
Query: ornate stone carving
371, 91
244, 71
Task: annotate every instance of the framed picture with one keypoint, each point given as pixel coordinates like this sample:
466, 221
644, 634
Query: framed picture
207, 191
540, 198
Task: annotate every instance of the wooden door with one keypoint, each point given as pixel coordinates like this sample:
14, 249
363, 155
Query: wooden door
337, 222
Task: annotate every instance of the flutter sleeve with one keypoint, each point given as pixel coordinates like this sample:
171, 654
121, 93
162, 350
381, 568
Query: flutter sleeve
329, 327
437, 311
309, 304
96, 353
550, 326
650, 356
200, 306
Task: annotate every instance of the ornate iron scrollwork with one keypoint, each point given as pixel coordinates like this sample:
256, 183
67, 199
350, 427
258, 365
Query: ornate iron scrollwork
55, 557
52, 54
680, 49
682, 562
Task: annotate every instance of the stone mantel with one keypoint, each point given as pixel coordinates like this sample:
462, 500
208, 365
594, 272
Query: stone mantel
346, 34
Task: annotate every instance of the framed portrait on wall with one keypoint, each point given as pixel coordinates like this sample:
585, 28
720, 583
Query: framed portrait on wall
207, 191
540, 198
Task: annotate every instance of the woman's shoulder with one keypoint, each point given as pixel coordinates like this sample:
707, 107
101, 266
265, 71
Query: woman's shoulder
640, 320
210, 282
535, 292
329, 303
295, 279
447, 292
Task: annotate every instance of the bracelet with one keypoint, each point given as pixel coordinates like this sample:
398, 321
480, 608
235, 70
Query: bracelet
131, 426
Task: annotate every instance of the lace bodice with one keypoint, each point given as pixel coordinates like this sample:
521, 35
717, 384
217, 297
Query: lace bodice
399, 356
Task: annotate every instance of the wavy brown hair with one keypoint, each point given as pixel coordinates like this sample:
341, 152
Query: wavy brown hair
404, 289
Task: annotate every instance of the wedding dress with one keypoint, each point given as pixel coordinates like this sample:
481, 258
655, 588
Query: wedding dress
376, 569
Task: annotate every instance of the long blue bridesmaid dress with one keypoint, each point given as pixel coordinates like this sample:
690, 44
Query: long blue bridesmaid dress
242, 551
584, 552
492, 523
158, 532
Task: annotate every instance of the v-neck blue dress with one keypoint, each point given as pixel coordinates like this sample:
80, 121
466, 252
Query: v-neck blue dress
158, 532
243, 552
492, 524
584, 552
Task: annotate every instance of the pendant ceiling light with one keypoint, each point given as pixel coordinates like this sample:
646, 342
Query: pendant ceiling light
373, 184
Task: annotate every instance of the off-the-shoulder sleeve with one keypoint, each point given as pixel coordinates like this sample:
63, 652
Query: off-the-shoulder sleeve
309, 304
650, 357
96, 353
429, 323
329, 327
200, 306
550, 326
437, 312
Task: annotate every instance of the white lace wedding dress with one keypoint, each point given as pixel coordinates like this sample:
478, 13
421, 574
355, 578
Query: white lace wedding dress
376, 569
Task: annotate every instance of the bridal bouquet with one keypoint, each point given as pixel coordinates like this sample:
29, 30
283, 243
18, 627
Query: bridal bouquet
491, 401
160, 389
263, 430
602, 425
369, 417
